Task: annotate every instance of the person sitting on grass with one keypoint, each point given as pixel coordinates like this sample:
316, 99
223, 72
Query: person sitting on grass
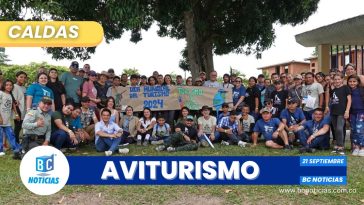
268, 103
161, 131
316, 133
62, 135
145, 127
247, 123
206, 126
225, 112
129, 124
273, 131
292, 117
230, 130
184, 139
108, 135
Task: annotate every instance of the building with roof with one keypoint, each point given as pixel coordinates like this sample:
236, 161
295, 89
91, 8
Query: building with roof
292, 67
337, 44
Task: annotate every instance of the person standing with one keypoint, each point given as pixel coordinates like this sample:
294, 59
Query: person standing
72, 83
58, 89
19, 97
212, 83
89, 90
37, 91
312, 94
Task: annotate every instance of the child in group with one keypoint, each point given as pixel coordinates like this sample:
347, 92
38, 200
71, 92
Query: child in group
268, 103
161, 131
247, 122
279, 97
340, 98
357, 115
225, 112
206, 126
7, 107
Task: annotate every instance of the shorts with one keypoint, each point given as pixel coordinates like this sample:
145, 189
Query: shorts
278, 141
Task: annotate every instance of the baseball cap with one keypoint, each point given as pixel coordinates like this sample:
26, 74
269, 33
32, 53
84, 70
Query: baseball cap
46, 100
292, 100
298, 76
264, 110
92, 73
74, 65
202, 73
189, 118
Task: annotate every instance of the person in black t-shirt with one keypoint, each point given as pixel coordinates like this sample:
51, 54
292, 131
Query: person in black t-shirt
252, 97
279, 97
58, 89
185, 138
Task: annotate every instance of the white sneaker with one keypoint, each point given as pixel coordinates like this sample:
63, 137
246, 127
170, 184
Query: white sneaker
171, 149
108, 153
124, 151
242, 144
355, 152
2, 154
361, 153
225, 143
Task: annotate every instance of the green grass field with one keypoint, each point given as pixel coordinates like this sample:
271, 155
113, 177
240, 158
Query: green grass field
12, 190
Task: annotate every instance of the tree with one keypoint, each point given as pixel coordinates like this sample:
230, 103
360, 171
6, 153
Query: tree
209, 26
130, 71
3, 57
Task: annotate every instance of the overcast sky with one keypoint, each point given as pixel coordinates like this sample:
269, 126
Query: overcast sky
163, 54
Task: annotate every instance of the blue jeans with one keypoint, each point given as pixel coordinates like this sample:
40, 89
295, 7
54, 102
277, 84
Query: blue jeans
107, 144
357, 128
319, 141
217, 137
61, 138
11, 138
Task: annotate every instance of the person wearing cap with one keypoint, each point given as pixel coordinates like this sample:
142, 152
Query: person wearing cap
88, 117
89, 89
212, 82
292, 117
279, 96
62, 134
143, 80
272, 130
247, 123
225, 112
102, 87
226, 81
58, 89
185, 138
198, 82
36, 91
230, 130
202, 76
296, 91
206, 126
268, 103
7, 107
72, 83
315, 132
312, 95
37, 125
19, 96
107, 134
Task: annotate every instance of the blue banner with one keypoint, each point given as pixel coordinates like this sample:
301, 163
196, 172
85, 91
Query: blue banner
206, 170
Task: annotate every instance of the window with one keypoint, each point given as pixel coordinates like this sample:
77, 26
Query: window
312, 64
277, 70
286, 69
313, 70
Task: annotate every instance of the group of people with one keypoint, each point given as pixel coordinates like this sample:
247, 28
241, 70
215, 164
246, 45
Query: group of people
79, 108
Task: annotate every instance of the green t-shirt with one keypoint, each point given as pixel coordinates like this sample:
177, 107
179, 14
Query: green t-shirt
72, 83
65, 119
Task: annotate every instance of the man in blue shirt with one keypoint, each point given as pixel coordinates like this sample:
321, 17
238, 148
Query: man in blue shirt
108, 135
230, 130
292, 117
273, 131
316, 133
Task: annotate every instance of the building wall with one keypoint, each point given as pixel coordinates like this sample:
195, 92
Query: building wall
293, 68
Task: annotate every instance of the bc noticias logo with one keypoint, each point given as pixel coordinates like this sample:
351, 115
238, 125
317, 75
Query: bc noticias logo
44, 170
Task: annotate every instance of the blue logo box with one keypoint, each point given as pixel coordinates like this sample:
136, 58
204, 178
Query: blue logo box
44, 163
